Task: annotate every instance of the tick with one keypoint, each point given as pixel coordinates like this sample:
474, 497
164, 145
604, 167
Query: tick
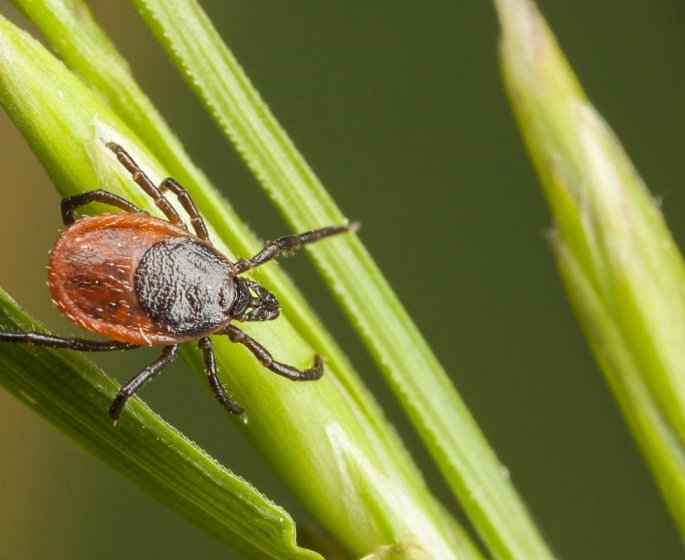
144, 281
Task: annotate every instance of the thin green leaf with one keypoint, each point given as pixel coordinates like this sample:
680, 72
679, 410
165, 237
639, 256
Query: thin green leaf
327, 439
420, 383
621, 267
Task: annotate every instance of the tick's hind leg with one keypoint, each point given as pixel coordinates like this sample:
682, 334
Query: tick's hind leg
73, 203
264, 357
290, 243
79, 344
210, 370
130, 388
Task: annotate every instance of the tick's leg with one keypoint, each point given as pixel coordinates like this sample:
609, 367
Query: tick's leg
262, 354
290, 243
210, 369
188, 205
144, 183
128, 390
72, 203
80, 344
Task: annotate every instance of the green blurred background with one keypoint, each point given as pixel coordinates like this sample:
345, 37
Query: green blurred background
401, 112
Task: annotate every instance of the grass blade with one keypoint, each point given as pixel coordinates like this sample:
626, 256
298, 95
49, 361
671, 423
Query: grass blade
620, 265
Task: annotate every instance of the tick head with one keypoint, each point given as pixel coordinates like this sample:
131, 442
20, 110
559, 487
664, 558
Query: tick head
254, 302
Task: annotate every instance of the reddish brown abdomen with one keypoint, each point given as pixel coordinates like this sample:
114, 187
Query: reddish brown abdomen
91, 271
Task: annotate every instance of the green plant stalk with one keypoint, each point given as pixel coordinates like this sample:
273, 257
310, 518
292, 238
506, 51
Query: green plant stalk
620, 265
324, 439
420, 383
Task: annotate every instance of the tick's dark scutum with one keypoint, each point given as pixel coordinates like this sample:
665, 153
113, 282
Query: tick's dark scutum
185, 286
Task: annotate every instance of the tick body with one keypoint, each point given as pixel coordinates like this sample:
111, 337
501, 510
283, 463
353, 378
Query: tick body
140, 280
144, 281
